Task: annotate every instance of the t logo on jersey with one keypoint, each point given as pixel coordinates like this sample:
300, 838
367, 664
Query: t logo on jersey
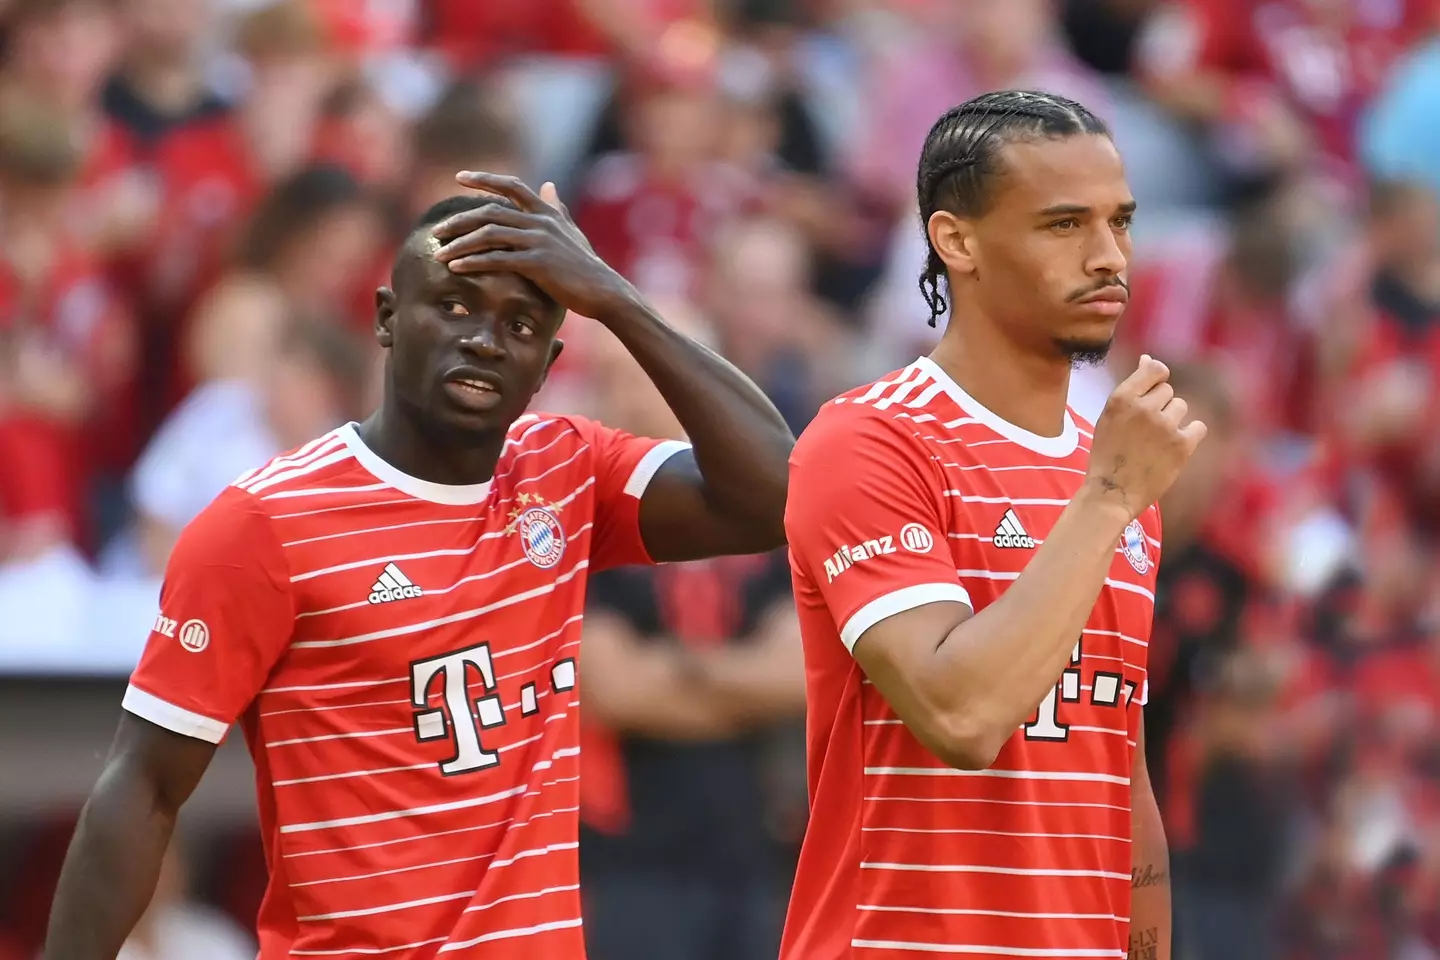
455, 719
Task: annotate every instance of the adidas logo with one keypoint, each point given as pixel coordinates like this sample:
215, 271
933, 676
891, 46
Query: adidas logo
393, 585
1009, 533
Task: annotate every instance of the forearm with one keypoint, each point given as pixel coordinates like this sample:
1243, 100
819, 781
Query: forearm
742, 443
1150, 893
111, 869
992, 670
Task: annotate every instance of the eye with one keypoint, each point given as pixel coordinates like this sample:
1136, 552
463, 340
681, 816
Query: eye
1124, 221
522, 327
454, 308
1069, 223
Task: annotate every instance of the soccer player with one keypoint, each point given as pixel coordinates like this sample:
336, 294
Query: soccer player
392, 612
974, 569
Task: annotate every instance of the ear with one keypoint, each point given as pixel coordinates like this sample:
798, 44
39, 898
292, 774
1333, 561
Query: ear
954, 241
557, 346
384, 317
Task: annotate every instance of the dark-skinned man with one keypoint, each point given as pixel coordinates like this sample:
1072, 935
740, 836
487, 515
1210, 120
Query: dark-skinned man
392, 611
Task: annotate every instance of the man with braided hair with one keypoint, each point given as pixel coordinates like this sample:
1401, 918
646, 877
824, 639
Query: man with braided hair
974, 568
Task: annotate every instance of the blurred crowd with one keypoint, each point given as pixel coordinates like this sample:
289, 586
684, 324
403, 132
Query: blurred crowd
199, 197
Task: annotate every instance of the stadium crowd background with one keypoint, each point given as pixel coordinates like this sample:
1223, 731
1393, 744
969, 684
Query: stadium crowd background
198, 198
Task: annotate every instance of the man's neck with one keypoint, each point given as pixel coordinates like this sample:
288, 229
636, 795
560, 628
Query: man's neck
431, 455
1017, 385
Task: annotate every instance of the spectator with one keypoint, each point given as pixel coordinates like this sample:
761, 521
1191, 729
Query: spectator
307, 246
66, 353
1402, 131
160, 85
685, 667
227, 426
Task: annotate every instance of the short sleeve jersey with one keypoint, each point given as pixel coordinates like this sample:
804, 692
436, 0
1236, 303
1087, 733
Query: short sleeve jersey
401, 658
906, 492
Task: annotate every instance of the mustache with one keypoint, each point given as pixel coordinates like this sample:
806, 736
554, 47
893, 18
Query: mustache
1106, 285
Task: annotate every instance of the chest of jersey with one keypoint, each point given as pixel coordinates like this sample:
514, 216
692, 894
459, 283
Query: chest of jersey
999, 517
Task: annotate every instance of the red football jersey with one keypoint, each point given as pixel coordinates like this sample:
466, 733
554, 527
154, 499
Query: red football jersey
401, 657
906, 492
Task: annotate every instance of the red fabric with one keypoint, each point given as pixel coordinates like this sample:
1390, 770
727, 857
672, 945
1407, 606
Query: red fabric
474, 34
657, 232
1276, 48
74, 310
904, 493
435, 682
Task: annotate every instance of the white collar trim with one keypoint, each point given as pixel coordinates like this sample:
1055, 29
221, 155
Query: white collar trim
450, 495
1058, 446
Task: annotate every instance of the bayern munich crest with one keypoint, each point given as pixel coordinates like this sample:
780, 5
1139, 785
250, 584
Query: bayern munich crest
541, 536
1136, 547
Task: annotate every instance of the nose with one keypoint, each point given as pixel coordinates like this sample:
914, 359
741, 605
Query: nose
483, 341
1107, 255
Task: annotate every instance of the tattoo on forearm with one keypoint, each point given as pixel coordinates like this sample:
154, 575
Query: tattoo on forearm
1144, 944
1141, 879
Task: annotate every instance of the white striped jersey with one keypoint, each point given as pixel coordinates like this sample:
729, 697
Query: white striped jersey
401, 657
906, 492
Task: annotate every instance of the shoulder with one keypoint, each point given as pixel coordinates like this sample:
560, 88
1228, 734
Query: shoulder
307, 469
859, 421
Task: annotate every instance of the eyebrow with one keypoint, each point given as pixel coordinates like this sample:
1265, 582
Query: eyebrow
1076, 210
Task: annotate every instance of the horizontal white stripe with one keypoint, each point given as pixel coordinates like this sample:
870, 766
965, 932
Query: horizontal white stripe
988, 574
402, 814
387, 908
956, 912
1007, 803
368, 951
330, 459
510, 934
1130, 588
336, 707
347, 506
165, 714
1077, 728
353, 735
1029, 466
523, 896
884, 723
451, 552
650, 464
994, 871
1018, 501
440, 833
1115, 633
898, 601
357, 773
440, 591
972, 948
998, 833
305, 688
471, 614
1063, 776
388, 526
320, 491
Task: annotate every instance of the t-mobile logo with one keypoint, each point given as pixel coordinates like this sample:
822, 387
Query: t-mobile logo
488, 712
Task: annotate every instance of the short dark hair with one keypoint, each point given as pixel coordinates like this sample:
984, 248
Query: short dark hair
960, 159
292, 206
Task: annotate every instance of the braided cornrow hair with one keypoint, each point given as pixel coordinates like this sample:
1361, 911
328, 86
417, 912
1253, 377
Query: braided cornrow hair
960, 158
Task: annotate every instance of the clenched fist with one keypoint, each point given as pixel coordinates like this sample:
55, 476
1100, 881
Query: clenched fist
1140, 445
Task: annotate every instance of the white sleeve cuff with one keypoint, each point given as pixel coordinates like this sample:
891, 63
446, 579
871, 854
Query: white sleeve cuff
162, 713
645, 470
906, 598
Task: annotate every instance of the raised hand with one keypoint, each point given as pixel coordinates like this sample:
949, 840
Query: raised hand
535, 238
1140, 445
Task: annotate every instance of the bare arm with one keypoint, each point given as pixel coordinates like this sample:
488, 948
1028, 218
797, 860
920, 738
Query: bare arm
667, 692
726, 497
963, 684
1150, 884
114, 860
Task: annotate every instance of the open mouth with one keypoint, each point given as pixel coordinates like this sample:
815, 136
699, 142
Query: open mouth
473, 393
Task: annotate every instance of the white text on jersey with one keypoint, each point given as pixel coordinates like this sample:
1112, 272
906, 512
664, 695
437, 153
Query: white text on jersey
846, 557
